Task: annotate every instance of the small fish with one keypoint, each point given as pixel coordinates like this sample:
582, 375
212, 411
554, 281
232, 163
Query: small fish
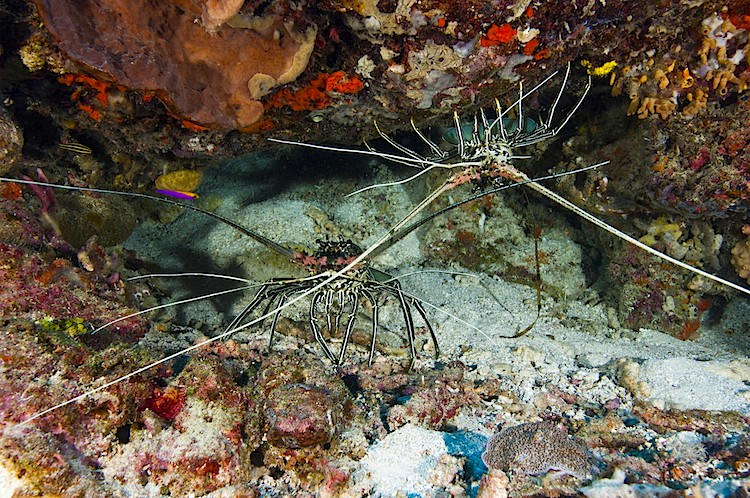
177, 194
76, 147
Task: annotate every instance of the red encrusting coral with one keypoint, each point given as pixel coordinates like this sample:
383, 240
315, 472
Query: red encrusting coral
530, 46
740, 20
101, 87
192, 126
498, 35
307, 98
94, 114
166, 402
11, 191
317, 94
341, 83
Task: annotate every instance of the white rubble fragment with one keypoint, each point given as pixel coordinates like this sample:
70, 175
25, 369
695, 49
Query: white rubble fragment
403, 462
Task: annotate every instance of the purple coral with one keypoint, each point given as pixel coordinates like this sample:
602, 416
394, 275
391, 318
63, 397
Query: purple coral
48, 207
46, 194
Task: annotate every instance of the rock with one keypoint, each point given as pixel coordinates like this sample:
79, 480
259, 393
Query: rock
300, 415
11, 143
407, 462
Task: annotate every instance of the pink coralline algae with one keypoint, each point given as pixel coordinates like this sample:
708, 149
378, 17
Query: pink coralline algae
437, 401
303, 407
40, 284
300, 415
537, 448
707, 176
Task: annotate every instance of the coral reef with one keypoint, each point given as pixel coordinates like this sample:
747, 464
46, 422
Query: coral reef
318, 93
688, 74
435, 405
679, 183
230, 419
302, 406
108, 94
655, 295
224, 61
703, 170
82, 282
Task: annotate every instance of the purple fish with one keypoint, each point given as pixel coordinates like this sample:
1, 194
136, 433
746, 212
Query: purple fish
177, 194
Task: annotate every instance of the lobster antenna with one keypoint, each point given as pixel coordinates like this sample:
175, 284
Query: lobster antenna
410, 228
627, 238
284, 251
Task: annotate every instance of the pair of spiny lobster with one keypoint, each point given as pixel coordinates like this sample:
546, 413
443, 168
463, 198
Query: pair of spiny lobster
479, 152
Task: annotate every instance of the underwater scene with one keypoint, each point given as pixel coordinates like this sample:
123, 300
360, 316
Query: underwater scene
385, 248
